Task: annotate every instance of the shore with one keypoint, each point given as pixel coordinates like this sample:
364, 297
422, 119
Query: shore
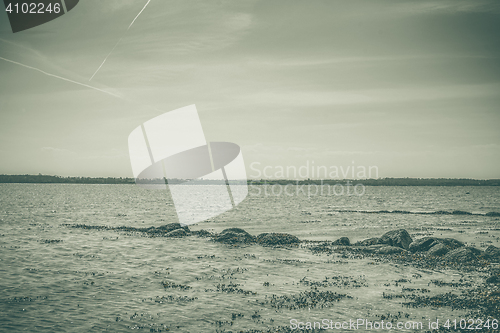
476, 292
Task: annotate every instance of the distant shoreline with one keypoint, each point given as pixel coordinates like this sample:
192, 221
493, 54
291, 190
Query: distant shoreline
47, 179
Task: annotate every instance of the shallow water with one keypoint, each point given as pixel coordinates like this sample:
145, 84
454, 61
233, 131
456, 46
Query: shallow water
57, 278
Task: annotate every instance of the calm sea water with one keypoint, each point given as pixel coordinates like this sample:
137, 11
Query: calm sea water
55, 278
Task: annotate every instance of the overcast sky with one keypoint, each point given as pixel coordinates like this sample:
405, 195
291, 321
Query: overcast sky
412, 87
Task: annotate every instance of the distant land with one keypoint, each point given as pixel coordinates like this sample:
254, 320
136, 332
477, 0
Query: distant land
47, 179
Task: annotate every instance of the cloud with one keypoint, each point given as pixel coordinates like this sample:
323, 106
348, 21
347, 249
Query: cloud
185, 30
303, 98
446, 7
116, 5
58, 152
267, 62
34, 52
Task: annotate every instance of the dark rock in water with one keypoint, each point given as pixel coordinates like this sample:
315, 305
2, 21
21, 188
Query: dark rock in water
400, 238
493, 279
401, 212
202, 233
460, 212
492, 214
342, 241
373, 248
277, 239
438, 250
367, 242
423, 244
387, 249
237, 230
152, 231
169, 227
492, 252
463, 254
450, 243
426, 243
176, 233
235, 236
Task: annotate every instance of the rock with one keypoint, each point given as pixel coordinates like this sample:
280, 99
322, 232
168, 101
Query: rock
277, 239
367, 242
438, 250
423, 244
176, 233
390, 250
492, 252
372, 248
463, 254
493, 279
460, 212
400, 238
237, 230
202, 233
168, 227
492, 214
152, 231
234, 236
451, 243
426, 243
342, 241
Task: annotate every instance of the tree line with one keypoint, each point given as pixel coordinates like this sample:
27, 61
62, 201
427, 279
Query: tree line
47, 179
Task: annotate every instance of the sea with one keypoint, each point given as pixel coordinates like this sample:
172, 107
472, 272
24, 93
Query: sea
58, 278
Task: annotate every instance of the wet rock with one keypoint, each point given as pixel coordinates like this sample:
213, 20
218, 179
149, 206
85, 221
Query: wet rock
176, 233
492, 252
451, 243
400, 238
168, 228
460, 212
236, 230
367, 242
234, 236
492, 214
390, 250
423, 244
426, 243
372, 248
463, 254
277, 239
438, 250
342, 241
202, 233
493, 279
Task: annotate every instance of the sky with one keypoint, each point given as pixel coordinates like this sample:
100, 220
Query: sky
411, 87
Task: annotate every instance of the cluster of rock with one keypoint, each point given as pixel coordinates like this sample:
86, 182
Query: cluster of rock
167, 230
227, 236
240, 236
393, 242
400, 241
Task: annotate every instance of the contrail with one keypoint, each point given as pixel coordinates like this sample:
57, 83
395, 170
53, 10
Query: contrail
62, 78
135, 18
105, 59
139, 14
